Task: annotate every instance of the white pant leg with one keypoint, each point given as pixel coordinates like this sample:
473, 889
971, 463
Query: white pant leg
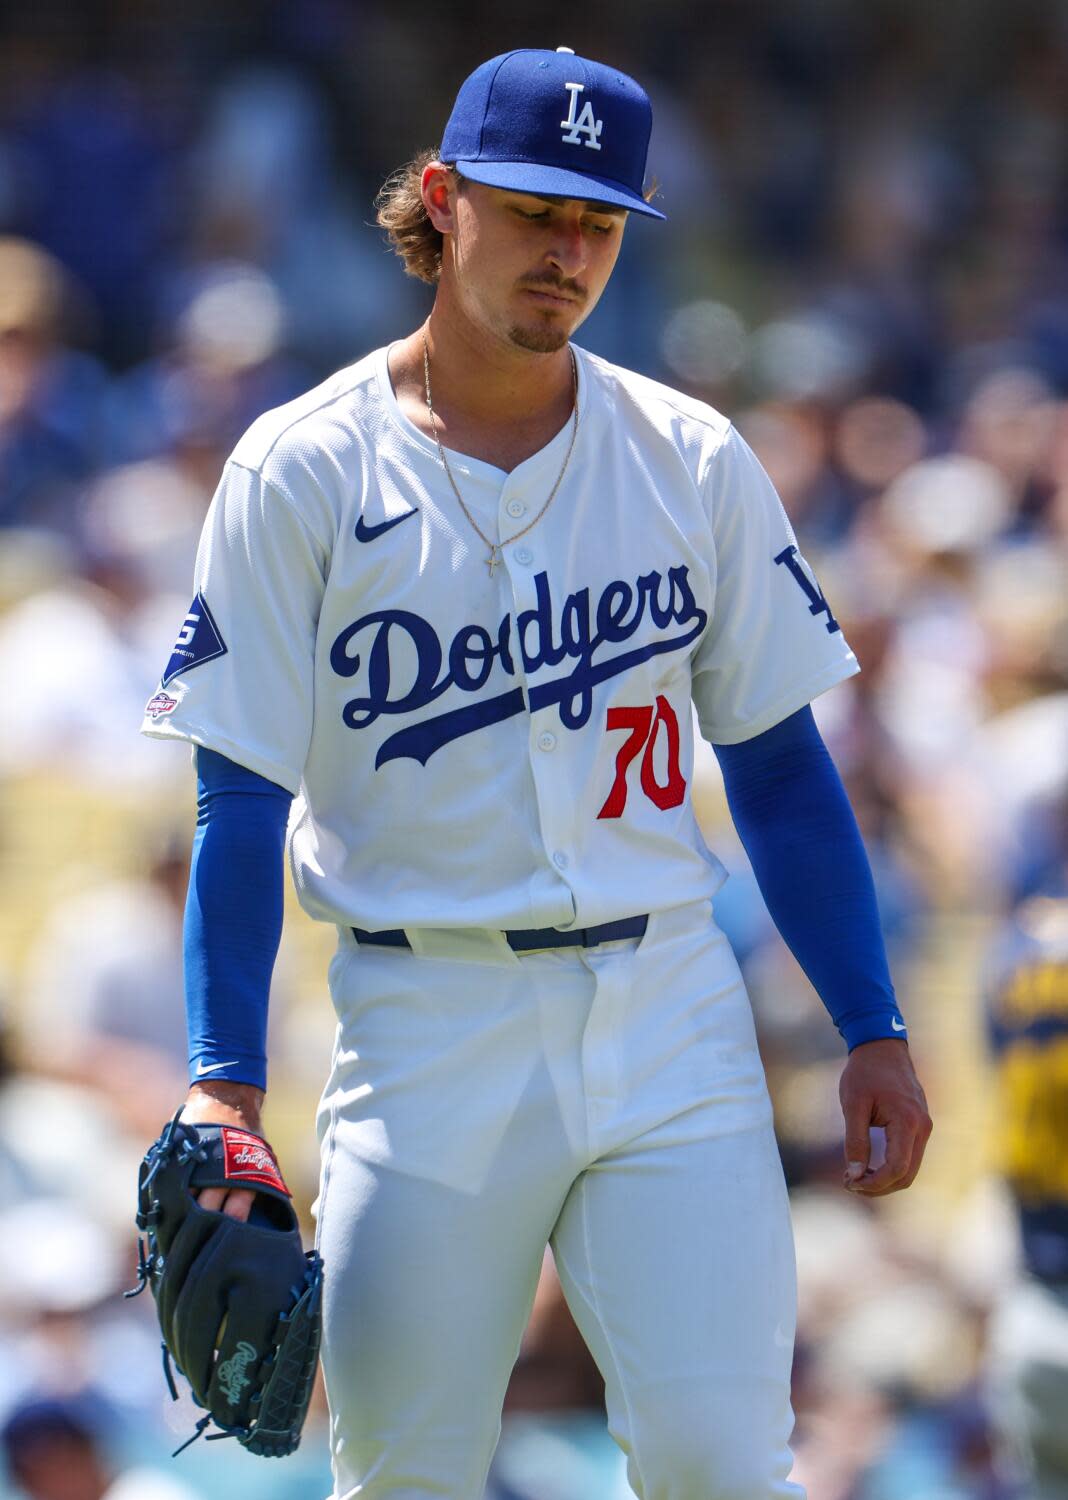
674, 1247
616, 1094
426, 1300
677, 1263
447, 1153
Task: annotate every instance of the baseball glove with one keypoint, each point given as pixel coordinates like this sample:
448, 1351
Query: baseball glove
239, 1303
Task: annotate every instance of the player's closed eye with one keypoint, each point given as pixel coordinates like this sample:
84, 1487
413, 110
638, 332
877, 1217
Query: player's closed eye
541, 216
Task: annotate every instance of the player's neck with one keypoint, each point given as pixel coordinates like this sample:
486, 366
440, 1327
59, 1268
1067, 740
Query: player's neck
482, 377
491, 402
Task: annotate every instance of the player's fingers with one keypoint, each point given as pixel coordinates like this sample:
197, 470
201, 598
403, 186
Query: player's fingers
906, 1138
857, 1140
890, 1175
235, 1202
238, 1204
919, 1146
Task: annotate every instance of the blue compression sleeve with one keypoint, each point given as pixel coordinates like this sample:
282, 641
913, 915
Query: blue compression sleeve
794, 819
233, 919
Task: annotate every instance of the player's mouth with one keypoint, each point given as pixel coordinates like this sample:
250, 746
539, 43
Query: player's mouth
551, 296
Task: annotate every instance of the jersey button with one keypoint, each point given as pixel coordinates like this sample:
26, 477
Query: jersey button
516, 508
546, 740
523, 555
560, 860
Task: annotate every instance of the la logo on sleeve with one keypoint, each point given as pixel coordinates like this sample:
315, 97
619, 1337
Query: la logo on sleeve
817, 601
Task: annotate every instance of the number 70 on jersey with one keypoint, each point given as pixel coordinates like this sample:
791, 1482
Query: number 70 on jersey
645, 726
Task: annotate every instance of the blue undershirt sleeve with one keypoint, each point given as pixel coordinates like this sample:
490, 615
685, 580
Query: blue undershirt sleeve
233, 919
795, 822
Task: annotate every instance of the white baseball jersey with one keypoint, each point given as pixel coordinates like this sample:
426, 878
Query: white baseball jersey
505, 750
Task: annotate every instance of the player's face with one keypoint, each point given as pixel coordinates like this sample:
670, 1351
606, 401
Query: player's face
529, 269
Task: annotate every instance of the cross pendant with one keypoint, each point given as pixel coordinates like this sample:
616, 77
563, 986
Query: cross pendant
494, 559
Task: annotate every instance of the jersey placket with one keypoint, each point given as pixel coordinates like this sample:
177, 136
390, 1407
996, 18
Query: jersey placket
524, 560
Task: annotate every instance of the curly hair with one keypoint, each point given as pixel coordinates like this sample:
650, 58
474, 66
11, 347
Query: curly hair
401, 213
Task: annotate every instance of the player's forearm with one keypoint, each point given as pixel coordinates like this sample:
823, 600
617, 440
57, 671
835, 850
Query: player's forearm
795, 821
233, 921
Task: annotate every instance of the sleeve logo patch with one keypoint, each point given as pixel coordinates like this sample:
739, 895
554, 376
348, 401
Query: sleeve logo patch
199, 641
805, 580
161, 705
247, 1158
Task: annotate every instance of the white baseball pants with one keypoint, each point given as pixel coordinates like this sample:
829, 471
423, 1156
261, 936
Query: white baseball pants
609, 1101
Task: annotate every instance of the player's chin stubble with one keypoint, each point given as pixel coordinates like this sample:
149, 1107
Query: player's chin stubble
538, 340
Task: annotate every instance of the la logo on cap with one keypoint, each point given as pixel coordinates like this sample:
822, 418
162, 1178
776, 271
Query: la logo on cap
583, 124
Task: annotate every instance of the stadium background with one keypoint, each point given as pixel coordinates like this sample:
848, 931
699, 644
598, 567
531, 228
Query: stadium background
865, 265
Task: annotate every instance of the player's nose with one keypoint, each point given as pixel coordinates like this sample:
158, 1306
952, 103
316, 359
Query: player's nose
568, 251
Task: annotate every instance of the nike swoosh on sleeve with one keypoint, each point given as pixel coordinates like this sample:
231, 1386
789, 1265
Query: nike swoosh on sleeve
214, 1067
365, 533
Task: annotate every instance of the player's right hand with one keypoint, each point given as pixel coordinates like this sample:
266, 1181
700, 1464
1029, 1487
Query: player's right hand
879, 1087
220, 1103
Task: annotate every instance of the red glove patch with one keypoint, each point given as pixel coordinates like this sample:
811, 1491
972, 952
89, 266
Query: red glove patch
247, 1158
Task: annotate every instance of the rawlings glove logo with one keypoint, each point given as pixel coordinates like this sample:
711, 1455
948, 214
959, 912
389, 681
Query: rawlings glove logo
248, 1158
232, 1376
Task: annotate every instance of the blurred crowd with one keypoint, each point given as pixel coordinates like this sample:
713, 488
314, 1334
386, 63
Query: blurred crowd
866, 266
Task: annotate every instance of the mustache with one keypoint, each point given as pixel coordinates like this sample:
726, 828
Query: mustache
550, 283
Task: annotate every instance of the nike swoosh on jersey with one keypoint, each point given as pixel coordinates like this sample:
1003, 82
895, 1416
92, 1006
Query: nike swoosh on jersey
365, 533
213, 1067
896, 1024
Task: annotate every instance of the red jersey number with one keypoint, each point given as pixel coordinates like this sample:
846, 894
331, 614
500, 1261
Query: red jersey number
643, 725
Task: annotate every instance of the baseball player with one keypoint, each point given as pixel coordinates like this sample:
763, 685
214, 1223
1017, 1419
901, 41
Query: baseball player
457, 602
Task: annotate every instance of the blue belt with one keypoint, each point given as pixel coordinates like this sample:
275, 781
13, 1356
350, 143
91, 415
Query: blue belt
524, 939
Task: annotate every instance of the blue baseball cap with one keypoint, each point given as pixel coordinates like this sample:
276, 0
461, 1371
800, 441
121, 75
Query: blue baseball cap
553, 124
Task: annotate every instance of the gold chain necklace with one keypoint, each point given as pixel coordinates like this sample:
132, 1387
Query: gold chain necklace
496, 548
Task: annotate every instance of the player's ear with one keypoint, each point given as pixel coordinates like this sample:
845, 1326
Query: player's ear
438, 189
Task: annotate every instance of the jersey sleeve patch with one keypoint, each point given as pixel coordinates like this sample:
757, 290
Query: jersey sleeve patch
199, 641
160, 705
805, 579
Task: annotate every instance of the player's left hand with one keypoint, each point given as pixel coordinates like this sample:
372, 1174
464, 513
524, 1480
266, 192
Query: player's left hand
879, 1087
